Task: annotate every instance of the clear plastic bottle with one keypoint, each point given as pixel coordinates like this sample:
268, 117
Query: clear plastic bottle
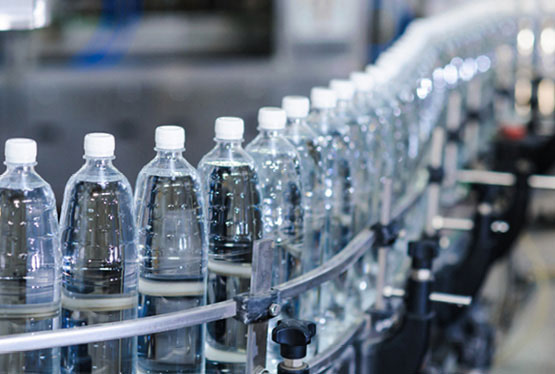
396, 131
172, 244
278, 168
339, 166
279, 171
30, 258
234, 223
310, 155
99, 259
339, 201
346, 113
380, 159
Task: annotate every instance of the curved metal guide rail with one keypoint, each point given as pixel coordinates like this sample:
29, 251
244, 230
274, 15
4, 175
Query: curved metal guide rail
190, 317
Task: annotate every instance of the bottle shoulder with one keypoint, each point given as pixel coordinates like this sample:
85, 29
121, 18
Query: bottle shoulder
28, 180
169, 168
271, 146
236, 157
90, 173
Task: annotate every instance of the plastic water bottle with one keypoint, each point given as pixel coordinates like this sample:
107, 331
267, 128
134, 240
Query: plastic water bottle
360, 284
99, 259
396, 130
172, 248
234, 223
279, 171
338, 166
333, 136
30, 258
310, 156
347, 114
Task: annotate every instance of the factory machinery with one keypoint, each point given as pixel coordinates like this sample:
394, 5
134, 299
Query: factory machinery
486, 144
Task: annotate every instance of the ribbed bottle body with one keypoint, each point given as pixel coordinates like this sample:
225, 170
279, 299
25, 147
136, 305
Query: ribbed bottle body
234, 223
99, 265
172, 245
30, 261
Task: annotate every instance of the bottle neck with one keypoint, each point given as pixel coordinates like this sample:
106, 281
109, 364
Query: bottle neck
324, 111
294, 122
20, 168
343, 105
99, 163
270, 133
169, 154
228, 145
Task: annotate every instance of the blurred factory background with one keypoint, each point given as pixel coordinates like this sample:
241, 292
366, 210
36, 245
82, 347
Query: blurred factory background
126, 66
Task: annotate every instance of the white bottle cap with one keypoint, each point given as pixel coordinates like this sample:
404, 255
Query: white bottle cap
271, 118
362, 81
296, 106
323, 98
379, 74
99, 144
229, 128
343, 88
20, 151
169, 137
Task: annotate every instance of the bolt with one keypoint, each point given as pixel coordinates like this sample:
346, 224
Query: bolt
275, 310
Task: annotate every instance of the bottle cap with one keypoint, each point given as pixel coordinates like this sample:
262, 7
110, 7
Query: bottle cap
229, 128
322, 98
170, 137
99, 144
20, 151
362, 81
344, 89
296, 106
379, 74
271, 118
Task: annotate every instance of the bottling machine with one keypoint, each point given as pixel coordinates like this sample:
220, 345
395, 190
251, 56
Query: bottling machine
486, 146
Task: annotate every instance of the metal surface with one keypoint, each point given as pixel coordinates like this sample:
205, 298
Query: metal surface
118, 330
544, 182
445, 298
329, 356
494, 178
261, 281
438, 297
450, 223
385, 218
434, 188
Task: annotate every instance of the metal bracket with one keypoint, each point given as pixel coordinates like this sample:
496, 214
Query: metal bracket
386, 234
436, 174
261, 282
257, 308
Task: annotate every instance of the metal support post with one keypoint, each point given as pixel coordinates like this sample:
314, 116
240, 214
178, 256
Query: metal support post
453, 126
437, 297
385, 219
493, 178
435, 182
261, 282
452, 223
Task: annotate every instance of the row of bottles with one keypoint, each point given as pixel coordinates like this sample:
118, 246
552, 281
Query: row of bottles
184, 239
310, 181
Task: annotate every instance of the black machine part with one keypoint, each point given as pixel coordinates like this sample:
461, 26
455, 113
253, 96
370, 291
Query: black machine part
393, 355
293, 336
